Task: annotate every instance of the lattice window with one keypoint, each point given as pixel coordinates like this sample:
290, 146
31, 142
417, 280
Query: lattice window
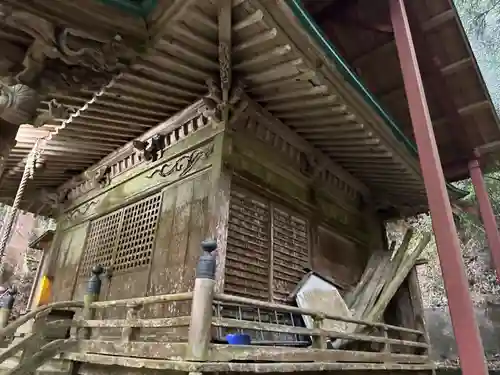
290, 252
123, 240
137, 234
101, 241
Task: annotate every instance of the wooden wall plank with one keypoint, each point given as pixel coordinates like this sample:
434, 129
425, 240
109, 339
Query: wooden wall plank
70, 251
248, 246
290, 251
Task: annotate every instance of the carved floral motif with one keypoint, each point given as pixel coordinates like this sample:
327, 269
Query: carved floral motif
70, 46
18, 103
80, 210
184, 164
58, 58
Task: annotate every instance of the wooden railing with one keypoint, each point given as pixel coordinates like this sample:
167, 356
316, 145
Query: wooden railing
280, 339
287, 339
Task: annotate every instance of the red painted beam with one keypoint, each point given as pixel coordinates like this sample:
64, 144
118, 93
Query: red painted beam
487, 214
470, 348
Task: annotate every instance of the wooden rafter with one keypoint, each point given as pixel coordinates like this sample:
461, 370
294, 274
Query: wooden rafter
439, 84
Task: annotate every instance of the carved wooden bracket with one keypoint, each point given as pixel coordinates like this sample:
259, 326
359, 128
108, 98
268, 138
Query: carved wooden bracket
102, 176
215, 103
18, 103
60, 57
55, 111
152, 149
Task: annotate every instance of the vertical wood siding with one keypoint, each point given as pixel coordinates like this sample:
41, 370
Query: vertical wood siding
267, 248
290, 252
248, 245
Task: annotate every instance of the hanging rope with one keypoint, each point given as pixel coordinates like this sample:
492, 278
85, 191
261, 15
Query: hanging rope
32, 159
29, 170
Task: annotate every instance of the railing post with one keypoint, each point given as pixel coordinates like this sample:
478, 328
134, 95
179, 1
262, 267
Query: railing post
130, 332
319, 341
201, 310
6, 305
387, 346
92, 295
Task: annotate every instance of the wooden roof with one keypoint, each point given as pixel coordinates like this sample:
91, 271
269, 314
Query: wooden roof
45, 238
288, 69
460, 106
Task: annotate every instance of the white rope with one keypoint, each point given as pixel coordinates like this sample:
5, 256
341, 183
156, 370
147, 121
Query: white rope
33, 158
69, 120
29, 170
83, 108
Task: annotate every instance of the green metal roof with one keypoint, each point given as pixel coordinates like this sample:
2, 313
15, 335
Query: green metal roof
138, 8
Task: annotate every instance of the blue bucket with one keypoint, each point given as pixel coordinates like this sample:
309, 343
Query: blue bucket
238, 339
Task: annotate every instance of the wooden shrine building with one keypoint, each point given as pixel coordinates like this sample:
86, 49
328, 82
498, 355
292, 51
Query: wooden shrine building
287, 131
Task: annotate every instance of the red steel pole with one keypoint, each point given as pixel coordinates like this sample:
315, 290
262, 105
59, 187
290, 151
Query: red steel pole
489, 220
470, 348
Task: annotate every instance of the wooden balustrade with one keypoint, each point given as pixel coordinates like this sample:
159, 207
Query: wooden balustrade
279, 335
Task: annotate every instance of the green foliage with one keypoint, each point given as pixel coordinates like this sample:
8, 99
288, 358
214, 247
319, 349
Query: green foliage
481, 20
469, 224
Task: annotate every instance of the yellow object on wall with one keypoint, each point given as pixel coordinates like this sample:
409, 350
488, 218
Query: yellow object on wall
45, 291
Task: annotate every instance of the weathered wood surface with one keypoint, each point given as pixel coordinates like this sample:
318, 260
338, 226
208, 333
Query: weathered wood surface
11, 328
16, 347
186, 296
234, 323
160, 350
228, 353
201, 318
295, 310
283, 367
47, 351
181, 321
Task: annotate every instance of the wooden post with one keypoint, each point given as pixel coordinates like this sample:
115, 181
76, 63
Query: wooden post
201, 310
92, 295
469, 345
387, 346
319, 342
6, 305
130, 333
487, 214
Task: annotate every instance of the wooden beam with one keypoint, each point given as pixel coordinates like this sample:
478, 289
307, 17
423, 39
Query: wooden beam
438, 20
166, 18
438, 84
427, 26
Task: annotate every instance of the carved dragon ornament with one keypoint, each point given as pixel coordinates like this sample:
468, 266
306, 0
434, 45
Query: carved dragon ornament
57, 59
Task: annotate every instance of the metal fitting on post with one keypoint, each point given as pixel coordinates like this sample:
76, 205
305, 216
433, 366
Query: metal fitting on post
94, 285
207, 263
6, 304
92, 295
